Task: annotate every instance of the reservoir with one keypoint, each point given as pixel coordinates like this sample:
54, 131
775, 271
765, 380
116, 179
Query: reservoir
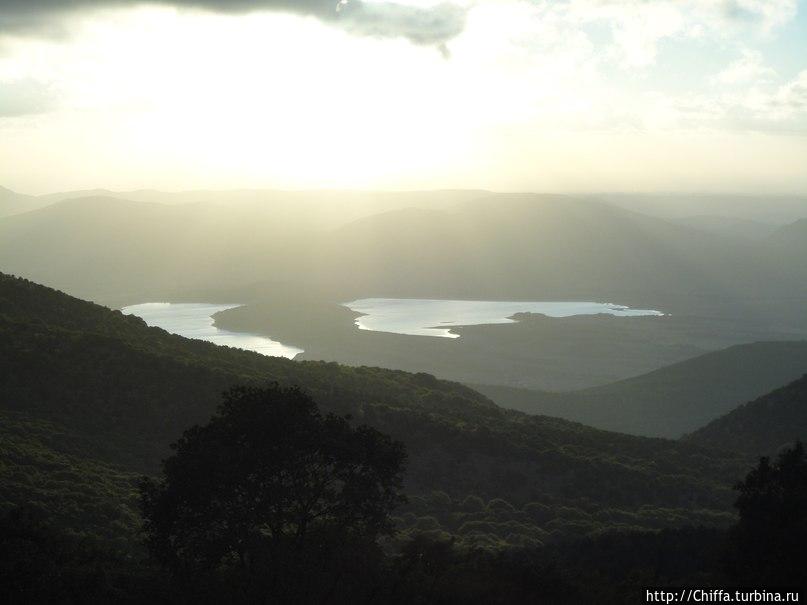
195, 320
409, 316
430, 317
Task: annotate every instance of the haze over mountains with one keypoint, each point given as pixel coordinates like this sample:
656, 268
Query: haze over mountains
439, 244
718, 282
281, 252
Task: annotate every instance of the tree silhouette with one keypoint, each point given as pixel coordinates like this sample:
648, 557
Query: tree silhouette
279, 499
769, 544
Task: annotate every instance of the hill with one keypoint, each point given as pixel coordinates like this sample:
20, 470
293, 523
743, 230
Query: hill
672, 400
541, 247
92, 397
12, 202
730, 226
792, 236
172, 242
121, 246
763, 426
775, 209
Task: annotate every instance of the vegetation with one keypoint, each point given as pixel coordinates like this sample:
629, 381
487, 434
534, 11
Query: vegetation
48, 469
227, 525
40, 562
768, 542
672, 400
763, 426
275, 499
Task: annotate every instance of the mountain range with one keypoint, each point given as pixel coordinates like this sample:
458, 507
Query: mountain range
439, 245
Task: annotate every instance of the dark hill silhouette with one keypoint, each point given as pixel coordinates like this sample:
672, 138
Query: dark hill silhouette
763, 426
672, 400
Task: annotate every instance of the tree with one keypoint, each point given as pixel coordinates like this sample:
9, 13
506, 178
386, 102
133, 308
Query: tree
768, 543
275, 496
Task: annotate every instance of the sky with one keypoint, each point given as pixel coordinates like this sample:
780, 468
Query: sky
509, 95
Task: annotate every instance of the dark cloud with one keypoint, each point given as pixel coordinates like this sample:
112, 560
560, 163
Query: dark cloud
436, 25
432, 26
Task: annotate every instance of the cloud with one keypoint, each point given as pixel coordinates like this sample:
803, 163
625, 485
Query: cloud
436, 25
638, 27
767, 13
25, 97
791, 98
431, 25
749, 68
768, 107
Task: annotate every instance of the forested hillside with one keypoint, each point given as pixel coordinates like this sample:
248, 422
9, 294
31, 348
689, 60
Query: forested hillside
672, 400
92, 396
763, 426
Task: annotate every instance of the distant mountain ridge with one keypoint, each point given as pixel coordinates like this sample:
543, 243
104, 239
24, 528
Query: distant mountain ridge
12, 202
731, 226
794, 234
775, 209
517, 246
672, 400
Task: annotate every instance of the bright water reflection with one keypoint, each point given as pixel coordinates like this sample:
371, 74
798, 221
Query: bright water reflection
428, 317
195, 320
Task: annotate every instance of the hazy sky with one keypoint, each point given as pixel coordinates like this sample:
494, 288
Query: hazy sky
546, 95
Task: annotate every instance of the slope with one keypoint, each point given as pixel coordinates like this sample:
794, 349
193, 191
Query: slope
542, 247
672, 400
12, 202
763, 426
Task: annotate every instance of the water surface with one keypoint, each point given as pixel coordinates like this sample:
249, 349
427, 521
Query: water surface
195, 320
430, 317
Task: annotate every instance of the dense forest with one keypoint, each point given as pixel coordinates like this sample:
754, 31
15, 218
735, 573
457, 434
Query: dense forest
762, 426
273, 502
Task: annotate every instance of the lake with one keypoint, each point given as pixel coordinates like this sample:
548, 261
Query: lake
410, 316
430, 317
195, 320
